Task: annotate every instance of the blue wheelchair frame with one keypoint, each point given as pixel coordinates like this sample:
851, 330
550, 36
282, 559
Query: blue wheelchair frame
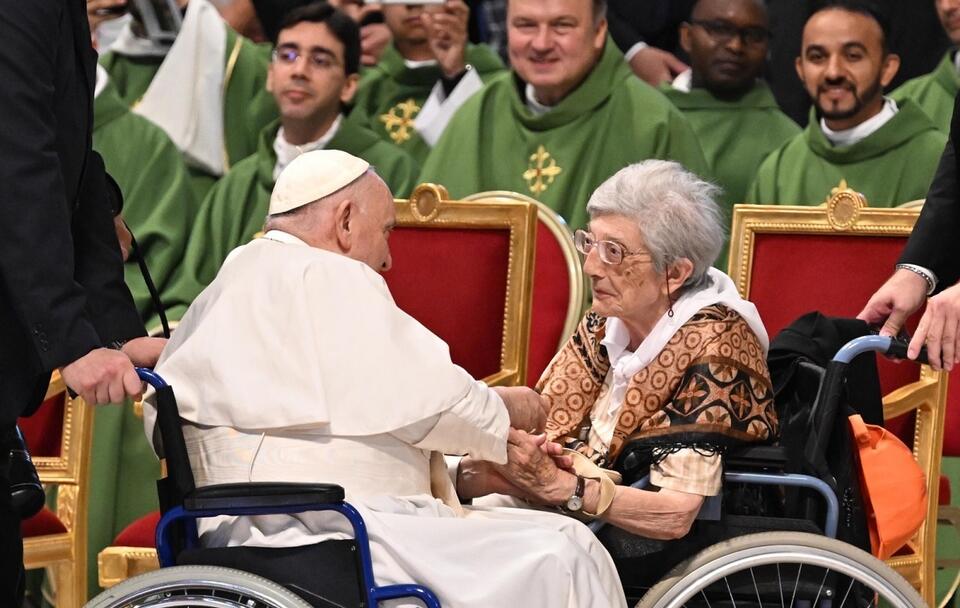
183, 518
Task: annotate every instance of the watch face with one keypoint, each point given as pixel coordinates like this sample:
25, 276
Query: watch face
574, 503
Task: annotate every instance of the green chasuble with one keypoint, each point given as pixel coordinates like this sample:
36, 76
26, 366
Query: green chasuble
159, 207
248, 107
611, 120
735, 136
234, 211
893, 165
934, 92
391, 95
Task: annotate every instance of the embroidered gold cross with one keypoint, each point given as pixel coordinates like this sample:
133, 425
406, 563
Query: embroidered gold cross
541, 171
399, 120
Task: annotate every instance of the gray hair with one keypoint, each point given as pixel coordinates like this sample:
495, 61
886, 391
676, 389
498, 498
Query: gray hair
676, 212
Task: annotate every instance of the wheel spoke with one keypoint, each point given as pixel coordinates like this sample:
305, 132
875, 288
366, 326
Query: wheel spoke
847, 594
796, 585
756, 588
733, 602
780, 585
826, 573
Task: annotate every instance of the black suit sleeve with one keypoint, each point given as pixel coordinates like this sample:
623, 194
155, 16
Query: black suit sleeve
934, 242
37, 261
99, 264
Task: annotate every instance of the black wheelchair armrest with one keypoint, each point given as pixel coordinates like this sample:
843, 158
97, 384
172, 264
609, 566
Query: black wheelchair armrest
756, 457
261, 495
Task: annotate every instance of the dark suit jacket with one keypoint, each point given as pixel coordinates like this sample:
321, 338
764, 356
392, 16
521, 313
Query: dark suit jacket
935, 240
61, 277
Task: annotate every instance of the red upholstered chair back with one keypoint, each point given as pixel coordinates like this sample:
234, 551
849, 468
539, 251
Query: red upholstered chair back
57, 434
558, 283
463, 269
793, 260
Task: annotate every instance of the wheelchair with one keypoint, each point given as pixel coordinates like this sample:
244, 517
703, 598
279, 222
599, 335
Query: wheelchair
758, 561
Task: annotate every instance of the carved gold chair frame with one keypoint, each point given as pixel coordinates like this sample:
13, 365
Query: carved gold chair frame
66, 553
846, 212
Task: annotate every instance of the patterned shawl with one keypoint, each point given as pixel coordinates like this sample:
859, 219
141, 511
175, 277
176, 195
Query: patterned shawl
709, 388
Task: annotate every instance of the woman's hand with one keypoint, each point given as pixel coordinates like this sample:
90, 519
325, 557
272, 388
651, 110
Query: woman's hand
532, 467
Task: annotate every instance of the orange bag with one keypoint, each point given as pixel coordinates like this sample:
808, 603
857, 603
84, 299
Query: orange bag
894, 487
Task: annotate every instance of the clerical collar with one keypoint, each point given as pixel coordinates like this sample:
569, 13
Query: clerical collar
535, 107
848, 137
684, 81
425, 63
103, 78
282, 237
286, 151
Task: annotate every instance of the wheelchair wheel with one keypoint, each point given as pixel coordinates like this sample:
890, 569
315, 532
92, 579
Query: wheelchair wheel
782, 569
195, 587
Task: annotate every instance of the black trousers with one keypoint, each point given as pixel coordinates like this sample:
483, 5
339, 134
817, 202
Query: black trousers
11, 544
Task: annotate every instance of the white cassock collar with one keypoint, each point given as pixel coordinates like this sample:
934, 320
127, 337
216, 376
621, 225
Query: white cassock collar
848, 137
286, 151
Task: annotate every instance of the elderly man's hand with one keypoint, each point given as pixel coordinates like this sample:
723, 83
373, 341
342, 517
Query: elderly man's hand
446, 27
144, 352
534, 471
656, 66
939, 329
103, 376
897, 299
527, 409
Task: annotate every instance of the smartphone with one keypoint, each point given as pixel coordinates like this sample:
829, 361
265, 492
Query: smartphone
161, 19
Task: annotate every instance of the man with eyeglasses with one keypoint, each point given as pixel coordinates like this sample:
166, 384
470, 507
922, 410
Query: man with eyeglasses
428, 72
730, 108
313, 74
570, 114
935, 92
886, 150
201, 82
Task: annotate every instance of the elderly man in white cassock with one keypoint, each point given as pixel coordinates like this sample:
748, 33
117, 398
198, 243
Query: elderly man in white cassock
296, 365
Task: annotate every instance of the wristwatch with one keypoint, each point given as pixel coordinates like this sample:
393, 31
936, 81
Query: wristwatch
575, 502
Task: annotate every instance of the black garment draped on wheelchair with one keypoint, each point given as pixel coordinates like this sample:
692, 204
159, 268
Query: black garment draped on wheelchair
798, 359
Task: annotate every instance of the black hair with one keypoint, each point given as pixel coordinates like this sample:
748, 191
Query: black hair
863, 7
343, 27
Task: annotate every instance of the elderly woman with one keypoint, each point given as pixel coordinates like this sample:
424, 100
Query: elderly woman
669, 361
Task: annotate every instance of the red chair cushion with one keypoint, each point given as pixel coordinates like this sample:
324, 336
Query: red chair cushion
454, 281
42, 524
944, 490
44, 429
141, 533
551, 296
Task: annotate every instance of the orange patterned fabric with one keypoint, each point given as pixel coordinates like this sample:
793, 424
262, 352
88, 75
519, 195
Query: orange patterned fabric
708, 388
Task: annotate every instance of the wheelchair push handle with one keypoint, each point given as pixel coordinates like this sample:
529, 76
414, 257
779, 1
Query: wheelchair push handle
895, 348
151, 377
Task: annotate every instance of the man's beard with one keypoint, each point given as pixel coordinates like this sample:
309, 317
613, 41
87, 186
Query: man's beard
859, 101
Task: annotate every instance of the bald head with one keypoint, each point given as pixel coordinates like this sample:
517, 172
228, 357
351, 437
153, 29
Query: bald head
727, 43
354, 221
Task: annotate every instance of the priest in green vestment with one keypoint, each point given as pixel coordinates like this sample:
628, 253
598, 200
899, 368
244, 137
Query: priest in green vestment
935, 92
887, 151
569, 115
206, 90
159, 207
428, 72
313, 73
732, 111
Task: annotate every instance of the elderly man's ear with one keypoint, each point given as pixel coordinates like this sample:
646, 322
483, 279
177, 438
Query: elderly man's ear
345, 217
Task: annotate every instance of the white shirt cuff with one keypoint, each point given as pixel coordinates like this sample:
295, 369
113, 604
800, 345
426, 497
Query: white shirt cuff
633, 50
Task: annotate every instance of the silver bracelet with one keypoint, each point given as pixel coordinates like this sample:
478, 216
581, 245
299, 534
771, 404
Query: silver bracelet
923, 272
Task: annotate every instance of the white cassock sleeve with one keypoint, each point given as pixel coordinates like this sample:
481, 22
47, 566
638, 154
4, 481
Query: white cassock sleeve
476, 425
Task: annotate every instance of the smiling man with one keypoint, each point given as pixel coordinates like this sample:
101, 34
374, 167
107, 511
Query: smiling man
312, 75
730, 108
569, 115
935, 92
886, 150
